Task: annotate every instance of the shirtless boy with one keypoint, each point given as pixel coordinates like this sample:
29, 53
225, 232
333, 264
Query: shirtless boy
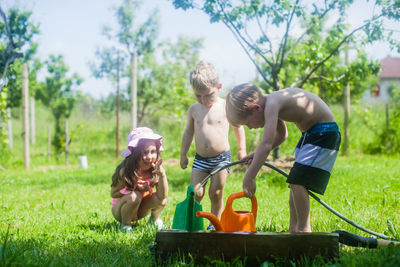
316, 150
207, 122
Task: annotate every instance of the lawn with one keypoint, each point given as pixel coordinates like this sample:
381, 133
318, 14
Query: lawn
53, 215
62, 217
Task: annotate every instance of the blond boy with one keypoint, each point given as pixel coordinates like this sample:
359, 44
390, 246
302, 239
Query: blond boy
316, 150
207, 123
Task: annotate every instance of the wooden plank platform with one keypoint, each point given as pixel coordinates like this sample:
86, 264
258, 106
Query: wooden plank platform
255, 247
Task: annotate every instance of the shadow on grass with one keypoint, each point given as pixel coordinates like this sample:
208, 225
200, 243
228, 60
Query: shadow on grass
101, 228
113, 226
78, 252
109, 247
383, 256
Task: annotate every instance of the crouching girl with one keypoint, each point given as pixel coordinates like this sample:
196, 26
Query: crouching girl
139, 184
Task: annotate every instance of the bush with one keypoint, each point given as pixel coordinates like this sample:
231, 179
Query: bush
386, 132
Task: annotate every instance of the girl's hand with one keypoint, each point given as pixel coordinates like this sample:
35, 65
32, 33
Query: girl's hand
142, 185
158, 171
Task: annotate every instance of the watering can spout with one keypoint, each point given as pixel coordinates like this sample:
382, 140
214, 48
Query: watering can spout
232, 220
213, 219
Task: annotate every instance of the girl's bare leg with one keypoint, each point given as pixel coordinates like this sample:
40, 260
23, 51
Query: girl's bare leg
156, 202
127, 208
151, 204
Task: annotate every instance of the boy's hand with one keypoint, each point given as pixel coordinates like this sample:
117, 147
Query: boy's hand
249, 187
241, 154
184, 162
249, 158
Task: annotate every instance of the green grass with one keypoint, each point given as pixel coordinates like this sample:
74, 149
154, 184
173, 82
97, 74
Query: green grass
60, 216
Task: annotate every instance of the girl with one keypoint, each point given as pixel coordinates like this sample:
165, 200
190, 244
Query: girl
134, 179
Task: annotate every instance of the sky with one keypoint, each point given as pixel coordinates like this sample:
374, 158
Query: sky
73, 28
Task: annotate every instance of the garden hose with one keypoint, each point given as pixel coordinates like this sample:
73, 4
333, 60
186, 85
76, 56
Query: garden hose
364, 242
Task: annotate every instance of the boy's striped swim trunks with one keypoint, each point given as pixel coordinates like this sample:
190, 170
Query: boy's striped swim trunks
315, 154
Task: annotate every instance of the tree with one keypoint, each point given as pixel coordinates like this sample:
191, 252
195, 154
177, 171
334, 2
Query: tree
253, 22
333, 75
17, 32
163, 85
132, 39
58, 95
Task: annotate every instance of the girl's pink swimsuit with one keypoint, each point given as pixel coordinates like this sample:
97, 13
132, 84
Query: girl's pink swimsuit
125, 191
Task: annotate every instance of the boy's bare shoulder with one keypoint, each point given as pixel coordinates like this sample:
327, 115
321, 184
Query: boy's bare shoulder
289, 92
302, 107
290, 95
194, 107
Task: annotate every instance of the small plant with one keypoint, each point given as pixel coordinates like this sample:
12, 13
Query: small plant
8, 257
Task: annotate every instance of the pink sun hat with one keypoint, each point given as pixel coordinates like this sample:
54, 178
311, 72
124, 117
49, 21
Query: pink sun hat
138, 134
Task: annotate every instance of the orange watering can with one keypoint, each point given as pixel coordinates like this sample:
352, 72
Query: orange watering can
234, 220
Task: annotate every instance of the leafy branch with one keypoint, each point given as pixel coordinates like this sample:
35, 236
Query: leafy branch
8, 56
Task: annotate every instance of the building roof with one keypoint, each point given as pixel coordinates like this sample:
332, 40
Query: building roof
390, 67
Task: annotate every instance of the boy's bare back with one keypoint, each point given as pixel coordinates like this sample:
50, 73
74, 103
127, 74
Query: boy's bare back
298, 106
210, 127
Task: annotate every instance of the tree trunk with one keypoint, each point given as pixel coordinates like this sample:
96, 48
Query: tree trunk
134, 91
67, 140
277, 153
346, 111
387, 125
33, 121
9, 129
48, 141
117, 130
25, 111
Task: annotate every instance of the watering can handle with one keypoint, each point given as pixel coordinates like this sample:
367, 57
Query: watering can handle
237, 195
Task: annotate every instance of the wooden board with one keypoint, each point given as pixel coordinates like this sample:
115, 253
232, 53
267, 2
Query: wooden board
256, 247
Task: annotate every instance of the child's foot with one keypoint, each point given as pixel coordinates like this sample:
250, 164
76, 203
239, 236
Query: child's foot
126, 228
158, 223
211, 228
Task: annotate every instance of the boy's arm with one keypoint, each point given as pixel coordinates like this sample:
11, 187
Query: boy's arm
187, 139
262, 151
241, 140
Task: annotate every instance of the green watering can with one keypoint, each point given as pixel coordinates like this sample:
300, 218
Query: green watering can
185, 213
